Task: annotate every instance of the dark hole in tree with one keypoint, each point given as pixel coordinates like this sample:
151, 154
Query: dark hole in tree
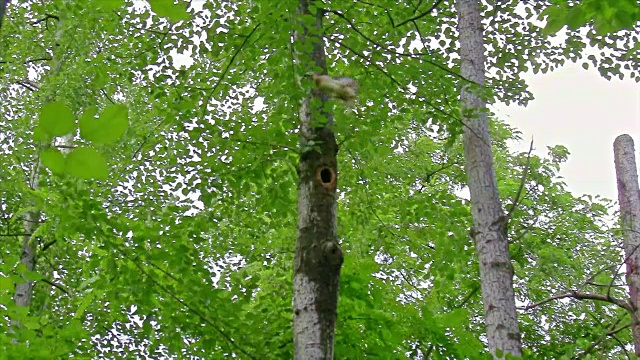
326, 176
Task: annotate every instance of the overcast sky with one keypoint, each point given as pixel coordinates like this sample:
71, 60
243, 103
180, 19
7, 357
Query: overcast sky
584, 112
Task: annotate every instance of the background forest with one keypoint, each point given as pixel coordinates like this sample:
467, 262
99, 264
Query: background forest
149, 179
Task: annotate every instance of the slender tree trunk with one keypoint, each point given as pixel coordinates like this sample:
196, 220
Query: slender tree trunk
629, 198
318, 256
489, 221
3, 10
24, 291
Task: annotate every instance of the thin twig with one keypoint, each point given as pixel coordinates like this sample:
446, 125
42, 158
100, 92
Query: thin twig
523, 181
582, 296
57, 286
613, 278
422, 56
226, 69
185, 304
419, 16
46, 17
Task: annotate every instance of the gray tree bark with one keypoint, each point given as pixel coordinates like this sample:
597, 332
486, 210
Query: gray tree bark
24, 291
3, 9
629, 198
318, 256
489, 222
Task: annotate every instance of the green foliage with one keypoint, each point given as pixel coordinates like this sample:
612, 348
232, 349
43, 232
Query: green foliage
610, 24
107, 128
168, 8
185, 246
55, 119
86, 163
606, 16
83, 162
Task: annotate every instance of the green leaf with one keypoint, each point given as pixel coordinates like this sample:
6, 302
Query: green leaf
6, 283
86, 300
16, 279
40, 135
53, 159
576, 17
109, 5
108, 128
55, 119
32, 275
31, 323
554, 24
167, 8
87, 163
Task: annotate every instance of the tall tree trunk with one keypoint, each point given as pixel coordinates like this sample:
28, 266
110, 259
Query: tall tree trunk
318, 256
3, 10
489, 221
629, 198
24, 291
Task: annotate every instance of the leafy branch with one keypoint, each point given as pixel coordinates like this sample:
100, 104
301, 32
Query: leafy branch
182, 302
226, 69
631, 253
416, 17
609, 333
583, 296
390, 50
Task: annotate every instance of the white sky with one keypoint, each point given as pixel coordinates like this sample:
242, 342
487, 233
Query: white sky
584, 112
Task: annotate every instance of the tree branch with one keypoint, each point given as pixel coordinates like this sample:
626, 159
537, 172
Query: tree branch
523, 181
226, 69
583, 296
613, 278
47, 17
419, 16
57, 286
182, 302
422, 56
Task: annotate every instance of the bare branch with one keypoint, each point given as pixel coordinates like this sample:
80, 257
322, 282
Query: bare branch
55, 285
47, 17
46, 58
523, 181
28, 85
613, 278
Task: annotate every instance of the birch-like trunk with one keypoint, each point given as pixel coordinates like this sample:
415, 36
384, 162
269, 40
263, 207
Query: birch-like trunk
489, 221
24, 291
318, 256
629, 198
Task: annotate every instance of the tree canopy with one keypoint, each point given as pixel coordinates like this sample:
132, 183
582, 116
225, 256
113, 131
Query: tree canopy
163, 139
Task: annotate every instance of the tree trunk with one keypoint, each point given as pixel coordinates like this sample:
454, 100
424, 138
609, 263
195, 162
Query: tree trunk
629, 198
318, 256
489, 221
3, 10
24, 291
